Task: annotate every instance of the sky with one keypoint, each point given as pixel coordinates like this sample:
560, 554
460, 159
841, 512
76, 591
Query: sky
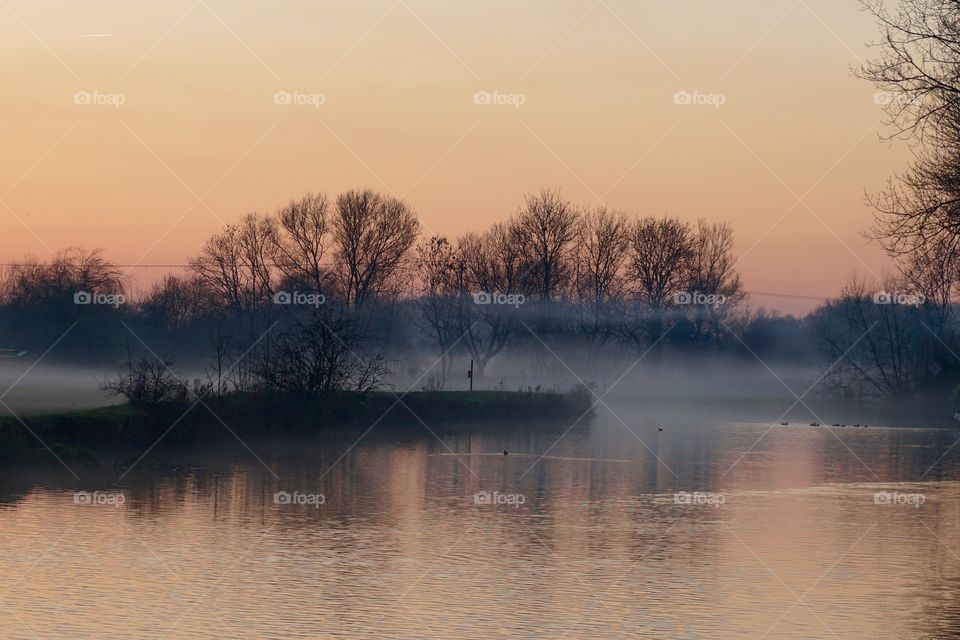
143, 128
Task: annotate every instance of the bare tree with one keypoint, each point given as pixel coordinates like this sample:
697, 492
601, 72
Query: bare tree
374, 235
878, 345
441, 278
495, 264
301, 247
930, 274
319, 356
258, 237
176, 301
711, 271
600, 255
72, 270
237, 263
496, 260
149, 381
546, 228
658, 259
918, 70
919, 53
219, 266
220, 377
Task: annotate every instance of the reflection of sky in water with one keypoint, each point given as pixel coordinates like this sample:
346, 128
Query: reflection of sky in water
599, 548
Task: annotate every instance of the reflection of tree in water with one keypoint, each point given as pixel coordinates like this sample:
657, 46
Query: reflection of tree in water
598, 505
894, 455
16, 485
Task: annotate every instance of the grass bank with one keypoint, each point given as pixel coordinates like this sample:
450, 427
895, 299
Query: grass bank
80, 436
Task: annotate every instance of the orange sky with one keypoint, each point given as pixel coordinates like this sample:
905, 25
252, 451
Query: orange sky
199, 140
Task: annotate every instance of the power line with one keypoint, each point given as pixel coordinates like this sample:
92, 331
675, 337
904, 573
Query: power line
770, 294
121, 266
797, 296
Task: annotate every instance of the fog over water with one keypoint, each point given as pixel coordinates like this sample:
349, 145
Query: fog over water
702, 388
49, 387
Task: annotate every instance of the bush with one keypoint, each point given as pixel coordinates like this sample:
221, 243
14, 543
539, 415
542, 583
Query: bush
149, 381
319, 356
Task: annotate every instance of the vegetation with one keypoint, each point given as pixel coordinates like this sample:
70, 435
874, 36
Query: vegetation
84, 437
900, 337
320, 295
149, 381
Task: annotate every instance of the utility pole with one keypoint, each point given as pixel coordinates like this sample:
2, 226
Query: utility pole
470, 374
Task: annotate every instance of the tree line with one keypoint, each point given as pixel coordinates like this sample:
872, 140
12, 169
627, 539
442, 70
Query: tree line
593, 277
899, 337
348, 287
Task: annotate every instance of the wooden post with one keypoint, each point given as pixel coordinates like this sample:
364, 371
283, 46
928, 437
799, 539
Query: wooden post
470, 374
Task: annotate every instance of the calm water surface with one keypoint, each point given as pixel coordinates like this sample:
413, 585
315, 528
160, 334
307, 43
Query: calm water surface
778, 535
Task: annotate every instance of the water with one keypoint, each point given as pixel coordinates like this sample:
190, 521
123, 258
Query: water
589, 542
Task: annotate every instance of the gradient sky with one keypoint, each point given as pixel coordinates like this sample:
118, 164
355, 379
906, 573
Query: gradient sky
199, 140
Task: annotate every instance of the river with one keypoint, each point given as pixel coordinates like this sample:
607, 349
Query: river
711, 528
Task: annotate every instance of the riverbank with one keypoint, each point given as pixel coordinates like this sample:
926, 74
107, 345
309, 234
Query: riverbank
82, 436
